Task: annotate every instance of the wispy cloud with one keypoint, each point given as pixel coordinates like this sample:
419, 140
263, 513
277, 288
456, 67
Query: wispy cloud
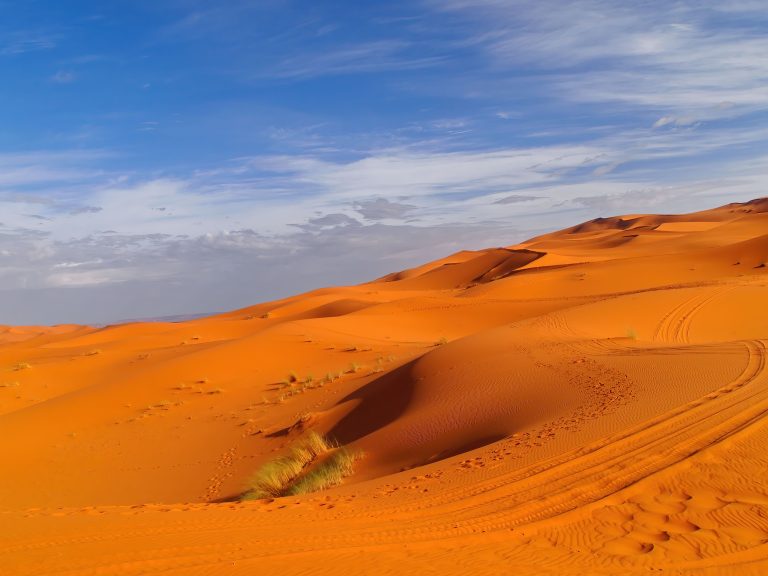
703, 59
378, 56
20, 42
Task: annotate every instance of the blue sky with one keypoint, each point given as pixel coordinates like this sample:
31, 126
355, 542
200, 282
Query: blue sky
180, 156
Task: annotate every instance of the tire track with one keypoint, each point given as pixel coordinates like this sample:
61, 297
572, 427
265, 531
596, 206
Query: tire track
675, 326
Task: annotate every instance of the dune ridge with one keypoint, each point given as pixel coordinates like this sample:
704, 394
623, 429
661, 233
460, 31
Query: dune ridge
590, 401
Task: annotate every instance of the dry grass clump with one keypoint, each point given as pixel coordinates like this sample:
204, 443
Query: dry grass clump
328, 473
21, 366
313, 463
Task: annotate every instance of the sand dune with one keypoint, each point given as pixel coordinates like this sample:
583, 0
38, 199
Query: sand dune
591, 401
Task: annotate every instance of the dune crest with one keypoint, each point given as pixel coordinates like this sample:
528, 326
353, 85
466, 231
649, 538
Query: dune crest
590, 401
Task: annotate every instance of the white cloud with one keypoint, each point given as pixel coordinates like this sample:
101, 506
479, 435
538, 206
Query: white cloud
686, 56
63, 77
374, 56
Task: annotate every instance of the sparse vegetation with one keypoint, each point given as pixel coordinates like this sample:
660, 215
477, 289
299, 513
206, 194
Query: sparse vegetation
313, 463
631, 333
353, 368
442, 342
21, 366
94, 352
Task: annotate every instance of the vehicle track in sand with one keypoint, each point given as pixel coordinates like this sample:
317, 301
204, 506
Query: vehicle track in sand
675, 326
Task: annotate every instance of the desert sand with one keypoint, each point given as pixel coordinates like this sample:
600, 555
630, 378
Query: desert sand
591, 401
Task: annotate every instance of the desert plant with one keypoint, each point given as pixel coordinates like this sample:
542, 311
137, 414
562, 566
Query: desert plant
442, 342
21, 366
330, 472
275, 477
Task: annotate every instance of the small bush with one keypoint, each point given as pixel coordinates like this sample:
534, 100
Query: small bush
21, 366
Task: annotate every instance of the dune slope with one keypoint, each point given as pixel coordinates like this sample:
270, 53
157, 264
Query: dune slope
591, 401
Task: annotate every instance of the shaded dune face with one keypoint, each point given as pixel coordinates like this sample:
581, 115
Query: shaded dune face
463, 268
591, 401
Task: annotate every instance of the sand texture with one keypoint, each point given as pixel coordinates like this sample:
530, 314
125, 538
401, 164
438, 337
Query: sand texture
591, 401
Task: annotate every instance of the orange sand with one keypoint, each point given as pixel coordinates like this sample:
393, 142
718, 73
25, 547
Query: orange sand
592, 401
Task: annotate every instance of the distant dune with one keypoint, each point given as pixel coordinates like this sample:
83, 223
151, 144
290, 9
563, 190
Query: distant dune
591, 401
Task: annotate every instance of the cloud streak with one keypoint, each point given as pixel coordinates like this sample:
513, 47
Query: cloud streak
702, 59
